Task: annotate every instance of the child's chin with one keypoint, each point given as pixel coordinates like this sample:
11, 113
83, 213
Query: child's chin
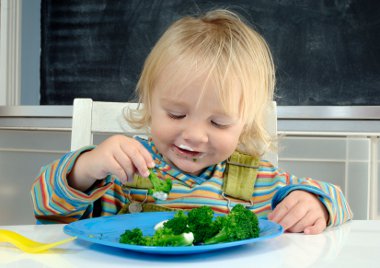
190, 167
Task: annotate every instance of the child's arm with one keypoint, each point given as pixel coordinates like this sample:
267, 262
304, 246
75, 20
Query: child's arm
55, 200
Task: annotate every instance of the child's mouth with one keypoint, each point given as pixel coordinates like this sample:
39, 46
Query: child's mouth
188, 152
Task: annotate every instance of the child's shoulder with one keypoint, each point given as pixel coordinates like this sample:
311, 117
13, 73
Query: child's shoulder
142, 139
265, 164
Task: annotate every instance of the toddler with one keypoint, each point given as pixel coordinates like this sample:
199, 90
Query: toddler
205, 87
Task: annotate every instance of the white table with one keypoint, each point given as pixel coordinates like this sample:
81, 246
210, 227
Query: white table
354, 244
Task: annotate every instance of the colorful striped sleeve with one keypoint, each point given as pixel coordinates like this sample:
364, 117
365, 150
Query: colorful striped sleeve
55, 201
329, 194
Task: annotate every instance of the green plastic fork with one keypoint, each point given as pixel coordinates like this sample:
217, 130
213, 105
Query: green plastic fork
28, 245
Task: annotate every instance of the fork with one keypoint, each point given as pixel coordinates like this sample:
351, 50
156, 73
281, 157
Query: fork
28, 245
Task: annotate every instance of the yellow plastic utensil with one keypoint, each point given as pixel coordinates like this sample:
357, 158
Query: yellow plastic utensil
28, 245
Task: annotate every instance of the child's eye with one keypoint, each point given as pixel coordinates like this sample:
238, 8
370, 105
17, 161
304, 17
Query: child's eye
176, 116
218, 125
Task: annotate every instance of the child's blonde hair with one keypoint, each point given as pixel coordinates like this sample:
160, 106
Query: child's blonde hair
221, 47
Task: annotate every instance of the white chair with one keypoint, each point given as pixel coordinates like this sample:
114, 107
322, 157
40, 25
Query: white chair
91, 117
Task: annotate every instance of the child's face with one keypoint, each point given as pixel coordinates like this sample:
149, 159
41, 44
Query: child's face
189, 132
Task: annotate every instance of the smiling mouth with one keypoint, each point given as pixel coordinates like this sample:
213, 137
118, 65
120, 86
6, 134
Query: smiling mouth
194, 155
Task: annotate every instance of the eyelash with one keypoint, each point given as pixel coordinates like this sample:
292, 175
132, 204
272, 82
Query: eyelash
178, 117
219, 125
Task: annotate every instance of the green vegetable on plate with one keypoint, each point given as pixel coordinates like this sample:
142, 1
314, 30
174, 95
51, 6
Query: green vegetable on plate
198, 227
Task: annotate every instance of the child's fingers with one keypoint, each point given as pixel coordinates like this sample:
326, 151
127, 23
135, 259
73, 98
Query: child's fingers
293, 216
300, 211
136, 155
281, 210
119, 171
141, 165
304, 222
318, 227
140, 156
147, 156
126, 164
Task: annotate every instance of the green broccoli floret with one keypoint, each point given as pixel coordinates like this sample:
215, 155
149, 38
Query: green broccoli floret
165, 237
161, 188
133, 237
218, 224
240, 224
200, 222
178, 224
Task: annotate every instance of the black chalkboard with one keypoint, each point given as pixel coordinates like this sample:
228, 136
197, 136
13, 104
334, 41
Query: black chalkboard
326, 52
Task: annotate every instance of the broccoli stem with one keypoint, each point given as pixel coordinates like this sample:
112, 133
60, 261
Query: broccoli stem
218, 238
165, 237
184, 239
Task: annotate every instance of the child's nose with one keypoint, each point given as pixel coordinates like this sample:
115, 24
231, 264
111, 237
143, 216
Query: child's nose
195, 133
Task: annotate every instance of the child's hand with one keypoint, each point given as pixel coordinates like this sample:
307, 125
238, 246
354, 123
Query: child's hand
118, 155
300, 211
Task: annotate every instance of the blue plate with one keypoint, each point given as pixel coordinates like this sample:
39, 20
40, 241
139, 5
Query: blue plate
107, 230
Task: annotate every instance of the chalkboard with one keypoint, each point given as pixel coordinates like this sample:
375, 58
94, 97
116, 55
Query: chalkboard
326, 52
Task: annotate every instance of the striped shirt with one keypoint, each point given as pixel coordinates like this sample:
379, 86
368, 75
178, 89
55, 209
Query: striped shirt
56, 202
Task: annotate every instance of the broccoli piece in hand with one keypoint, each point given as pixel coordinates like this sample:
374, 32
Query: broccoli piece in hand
161, 188
165, 237
133, 237
240, 224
